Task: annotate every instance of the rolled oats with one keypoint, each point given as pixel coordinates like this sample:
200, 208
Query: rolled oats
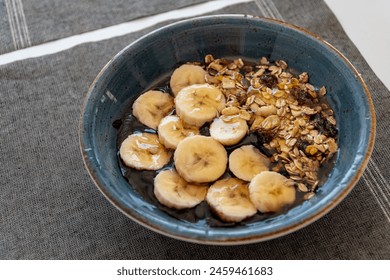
264, 61
304, 77
322, 91
244, 114
228, 111
276, 102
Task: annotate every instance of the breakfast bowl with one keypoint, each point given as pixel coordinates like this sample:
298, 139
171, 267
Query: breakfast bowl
151, 60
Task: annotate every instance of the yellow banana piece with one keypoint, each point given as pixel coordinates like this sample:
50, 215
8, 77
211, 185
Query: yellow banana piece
247, 161
229, 199
200, 159
143, 151
228, 131
172, 130
149, 108
185, 75
199, 103
174, 192
271, 192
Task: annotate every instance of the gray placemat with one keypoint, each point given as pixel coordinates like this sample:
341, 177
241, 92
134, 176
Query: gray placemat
29, 23
50, 208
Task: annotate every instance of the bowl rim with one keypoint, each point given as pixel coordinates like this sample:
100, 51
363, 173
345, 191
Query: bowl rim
233, 240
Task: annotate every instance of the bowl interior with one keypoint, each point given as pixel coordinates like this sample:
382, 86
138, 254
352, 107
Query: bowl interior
152, 58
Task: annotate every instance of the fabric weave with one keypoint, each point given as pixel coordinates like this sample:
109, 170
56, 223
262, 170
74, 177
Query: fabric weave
50, 208
33, 22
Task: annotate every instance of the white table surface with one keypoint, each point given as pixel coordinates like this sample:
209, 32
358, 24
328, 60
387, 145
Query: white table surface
367, 24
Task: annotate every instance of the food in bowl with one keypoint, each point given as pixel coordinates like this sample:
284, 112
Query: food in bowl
147, 62
249, 140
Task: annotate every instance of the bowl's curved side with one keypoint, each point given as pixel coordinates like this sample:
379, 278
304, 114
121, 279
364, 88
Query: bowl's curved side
155, 55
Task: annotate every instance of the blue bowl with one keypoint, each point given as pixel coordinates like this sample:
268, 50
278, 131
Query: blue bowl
153, 57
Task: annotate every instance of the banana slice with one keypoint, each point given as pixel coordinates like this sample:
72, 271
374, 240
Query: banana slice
174, 192
229, 199
200, 159
271, 192
247, 161
150, 107
186, 75
172, 130
228, 131
199, 103
143, 151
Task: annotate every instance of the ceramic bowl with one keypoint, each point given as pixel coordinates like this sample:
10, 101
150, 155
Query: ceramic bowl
153, 57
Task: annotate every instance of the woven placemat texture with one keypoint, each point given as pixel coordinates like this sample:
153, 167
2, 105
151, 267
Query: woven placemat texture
50, 208
32, 22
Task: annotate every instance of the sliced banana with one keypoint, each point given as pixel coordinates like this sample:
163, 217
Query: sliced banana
247, 161
271, 192
229, 199
150, 107
200, 159
144, 151
228, 131
172, 130
199, 103
186, 75
174, 192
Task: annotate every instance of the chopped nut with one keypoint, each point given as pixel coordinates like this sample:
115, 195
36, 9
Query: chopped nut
282, 64
232, 66
267, 93
228, 119
310, 87
275, 69
267, 110
331, 120
313, 94
255, 83
228, 111
286, 75
239, 63
228, 83
255, 108
332, 146
250, 100
264, 61
296, 113
279, 93
322, 91
208, 58
215, 66
304, 77
259, 72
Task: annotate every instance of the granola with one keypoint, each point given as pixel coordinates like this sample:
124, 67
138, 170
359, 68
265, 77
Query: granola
287, 113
